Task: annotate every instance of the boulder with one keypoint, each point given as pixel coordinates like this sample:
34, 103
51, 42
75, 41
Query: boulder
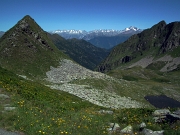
161, 112
4, 96
127, 130
105, 112
9, 108
142, 126
160, 119
151, 132
113, 128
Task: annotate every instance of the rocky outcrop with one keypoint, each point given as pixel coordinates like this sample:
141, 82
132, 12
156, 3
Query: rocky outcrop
163, 115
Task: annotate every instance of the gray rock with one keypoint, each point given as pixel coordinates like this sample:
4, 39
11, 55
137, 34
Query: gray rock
127, 130
142, 125
151, 132
4, 132
9, 108
161, 112
4, 96
105, 112
113, 128
160, 118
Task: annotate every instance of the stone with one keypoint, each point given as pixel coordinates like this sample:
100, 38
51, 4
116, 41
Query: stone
105, 112
113, 128
151, 132
161, 112
142, 126
9, 108
4, 96
160, 119
127, 130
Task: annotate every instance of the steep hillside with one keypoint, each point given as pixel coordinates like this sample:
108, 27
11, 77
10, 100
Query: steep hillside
147, 48
26, 49
80, 51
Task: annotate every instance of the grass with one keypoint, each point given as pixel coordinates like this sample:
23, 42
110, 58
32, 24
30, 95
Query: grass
40, 110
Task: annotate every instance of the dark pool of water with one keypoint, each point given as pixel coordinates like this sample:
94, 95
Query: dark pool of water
162, 101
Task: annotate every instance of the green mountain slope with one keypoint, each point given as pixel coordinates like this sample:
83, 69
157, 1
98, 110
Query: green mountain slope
156, 42
26, 49
81, 51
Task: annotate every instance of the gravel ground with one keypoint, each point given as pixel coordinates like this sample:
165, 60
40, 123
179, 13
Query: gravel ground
170, 65
69, 71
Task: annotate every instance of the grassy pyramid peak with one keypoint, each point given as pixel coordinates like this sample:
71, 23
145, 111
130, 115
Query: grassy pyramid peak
26, 49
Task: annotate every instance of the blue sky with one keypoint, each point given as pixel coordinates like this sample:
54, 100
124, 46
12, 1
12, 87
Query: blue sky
89, 14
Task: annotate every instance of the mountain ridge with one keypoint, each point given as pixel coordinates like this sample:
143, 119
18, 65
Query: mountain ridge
79, 50
159, 40
87, 35
103, 38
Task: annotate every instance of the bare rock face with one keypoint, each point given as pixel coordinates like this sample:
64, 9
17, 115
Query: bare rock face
126, 59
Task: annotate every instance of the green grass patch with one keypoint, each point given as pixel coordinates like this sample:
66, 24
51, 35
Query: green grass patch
161, 80
129, 78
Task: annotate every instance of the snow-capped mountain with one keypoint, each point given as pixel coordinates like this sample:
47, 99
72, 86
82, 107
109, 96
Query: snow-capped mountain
87, 35
1, 33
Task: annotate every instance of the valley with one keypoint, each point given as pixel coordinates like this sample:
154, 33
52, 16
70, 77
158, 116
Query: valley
44, 82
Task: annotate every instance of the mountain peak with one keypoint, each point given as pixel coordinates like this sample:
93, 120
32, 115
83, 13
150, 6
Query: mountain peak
161, 24
27, 43
27, 17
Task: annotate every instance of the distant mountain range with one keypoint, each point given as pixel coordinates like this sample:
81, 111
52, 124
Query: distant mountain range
87, 35
103, 38
1, 33
156, 48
